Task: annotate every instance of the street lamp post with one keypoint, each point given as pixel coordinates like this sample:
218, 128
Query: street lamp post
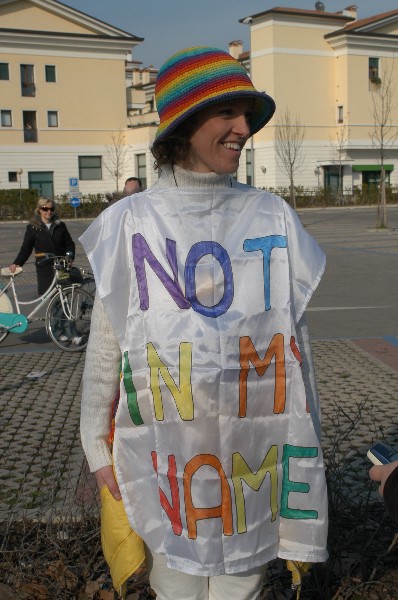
317, 173
19, 172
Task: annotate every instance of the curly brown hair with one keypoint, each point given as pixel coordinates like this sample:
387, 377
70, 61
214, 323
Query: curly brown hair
174, 148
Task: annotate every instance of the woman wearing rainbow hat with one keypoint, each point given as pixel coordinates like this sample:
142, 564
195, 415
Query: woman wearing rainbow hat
201, 290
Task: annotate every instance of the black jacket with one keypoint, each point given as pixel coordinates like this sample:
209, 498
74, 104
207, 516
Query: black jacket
55, 239
391, 494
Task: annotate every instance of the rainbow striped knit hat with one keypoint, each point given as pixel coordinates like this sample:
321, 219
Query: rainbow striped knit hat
196, 77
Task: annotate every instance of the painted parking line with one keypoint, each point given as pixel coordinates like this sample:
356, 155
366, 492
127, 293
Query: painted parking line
326, 308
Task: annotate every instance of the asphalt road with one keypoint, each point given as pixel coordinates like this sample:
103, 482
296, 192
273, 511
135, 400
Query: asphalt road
357, 297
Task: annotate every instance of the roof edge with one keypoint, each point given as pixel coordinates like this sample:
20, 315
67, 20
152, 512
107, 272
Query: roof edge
300, 12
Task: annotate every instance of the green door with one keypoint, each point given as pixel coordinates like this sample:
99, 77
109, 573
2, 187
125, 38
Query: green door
42, 181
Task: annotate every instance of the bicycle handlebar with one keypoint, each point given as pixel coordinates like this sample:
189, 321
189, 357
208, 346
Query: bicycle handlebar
60, 262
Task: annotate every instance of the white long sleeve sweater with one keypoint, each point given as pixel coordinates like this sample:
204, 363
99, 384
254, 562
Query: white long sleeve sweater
103, 355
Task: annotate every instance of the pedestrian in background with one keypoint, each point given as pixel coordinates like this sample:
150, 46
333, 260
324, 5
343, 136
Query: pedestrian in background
114, 197
45, 233
216, 455
132, 185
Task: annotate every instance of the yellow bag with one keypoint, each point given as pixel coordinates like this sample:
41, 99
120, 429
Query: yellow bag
123, 549
298, 570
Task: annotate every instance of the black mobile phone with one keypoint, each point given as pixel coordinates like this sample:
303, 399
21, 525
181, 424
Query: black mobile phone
382, 454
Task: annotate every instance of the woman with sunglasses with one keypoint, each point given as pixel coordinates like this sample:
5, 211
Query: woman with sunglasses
45, 233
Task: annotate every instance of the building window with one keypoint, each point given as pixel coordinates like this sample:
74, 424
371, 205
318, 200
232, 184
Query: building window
374, 70
6, 118
52, 118
50, 74
43, 181
141, 168
249, 167
90, 167
29, 126
28, 87
4, 72
333, 177
372, 178
340, 114
12, 176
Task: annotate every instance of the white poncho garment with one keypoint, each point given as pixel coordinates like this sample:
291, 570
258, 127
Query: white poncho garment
215, 451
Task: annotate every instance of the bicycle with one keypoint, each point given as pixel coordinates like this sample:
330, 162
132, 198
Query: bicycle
68, 314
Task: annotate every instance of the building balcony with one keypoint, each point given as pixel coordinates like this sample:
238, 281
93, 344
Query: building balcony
29, 134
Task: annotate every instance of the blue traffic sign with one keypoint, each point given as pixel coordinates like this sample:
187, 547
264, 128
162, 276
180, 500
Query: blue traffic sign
73, 182
75, 202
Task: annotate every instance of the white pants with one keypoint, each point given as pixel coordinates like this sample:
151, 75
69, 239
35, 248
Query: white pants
175, 585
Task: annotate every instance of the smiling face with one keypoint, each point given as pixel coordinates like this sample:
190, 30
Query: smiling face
217, 142
47, 212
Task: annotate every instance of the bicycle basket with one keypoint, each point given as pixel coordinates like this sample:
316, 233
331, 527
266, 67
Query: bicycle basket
63, 276
75, 275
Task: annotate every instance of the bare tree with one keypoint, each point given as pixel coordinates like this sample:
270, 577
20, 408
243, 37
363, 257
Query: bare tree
115, 159
384, 133
289, 138
338, 150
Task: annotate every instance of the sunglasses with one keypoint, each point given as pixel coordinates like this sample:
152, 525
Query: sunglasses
46, 208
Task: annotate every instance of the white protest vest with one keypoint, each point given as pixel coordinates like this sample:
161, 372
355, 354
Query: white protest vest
215, 451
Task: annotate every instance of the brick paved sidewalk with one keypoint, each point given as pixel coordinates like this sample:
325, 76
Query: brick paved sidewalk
40, 444
358, 392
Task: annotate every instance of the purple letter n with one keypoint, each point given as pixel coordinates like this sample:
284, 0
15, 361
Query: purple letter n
142, 252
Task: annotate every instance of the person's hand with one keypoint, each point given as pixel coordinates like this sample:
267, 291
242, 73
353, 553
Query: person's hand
13, 267
106, 477
381, 473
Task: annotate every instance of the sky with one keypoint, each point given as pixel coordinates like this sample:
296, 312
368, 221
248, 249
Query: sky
171, 25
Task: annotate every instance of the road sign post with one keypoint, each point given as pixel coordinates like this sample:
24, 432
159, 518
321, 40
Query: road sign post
74, 192
73, 184
75, 202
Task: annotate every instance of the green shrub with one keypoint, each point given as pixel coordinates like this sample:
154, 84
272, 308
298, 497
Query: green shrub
16, 204
20, 206
90, 206
314, 197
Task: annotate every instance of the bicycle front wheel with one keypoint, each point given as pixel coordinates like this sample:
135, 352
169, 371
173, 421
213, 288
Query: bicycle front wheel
68, 324
5, 307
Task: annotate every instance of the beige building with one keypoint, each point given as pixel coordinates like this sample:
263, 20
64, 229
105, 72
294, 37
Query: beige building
326, 69
78, 113
63, 100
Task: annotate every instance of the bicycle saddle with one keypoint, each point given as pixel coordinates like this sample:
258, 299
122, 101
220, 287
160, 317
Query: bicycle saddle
5, 271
